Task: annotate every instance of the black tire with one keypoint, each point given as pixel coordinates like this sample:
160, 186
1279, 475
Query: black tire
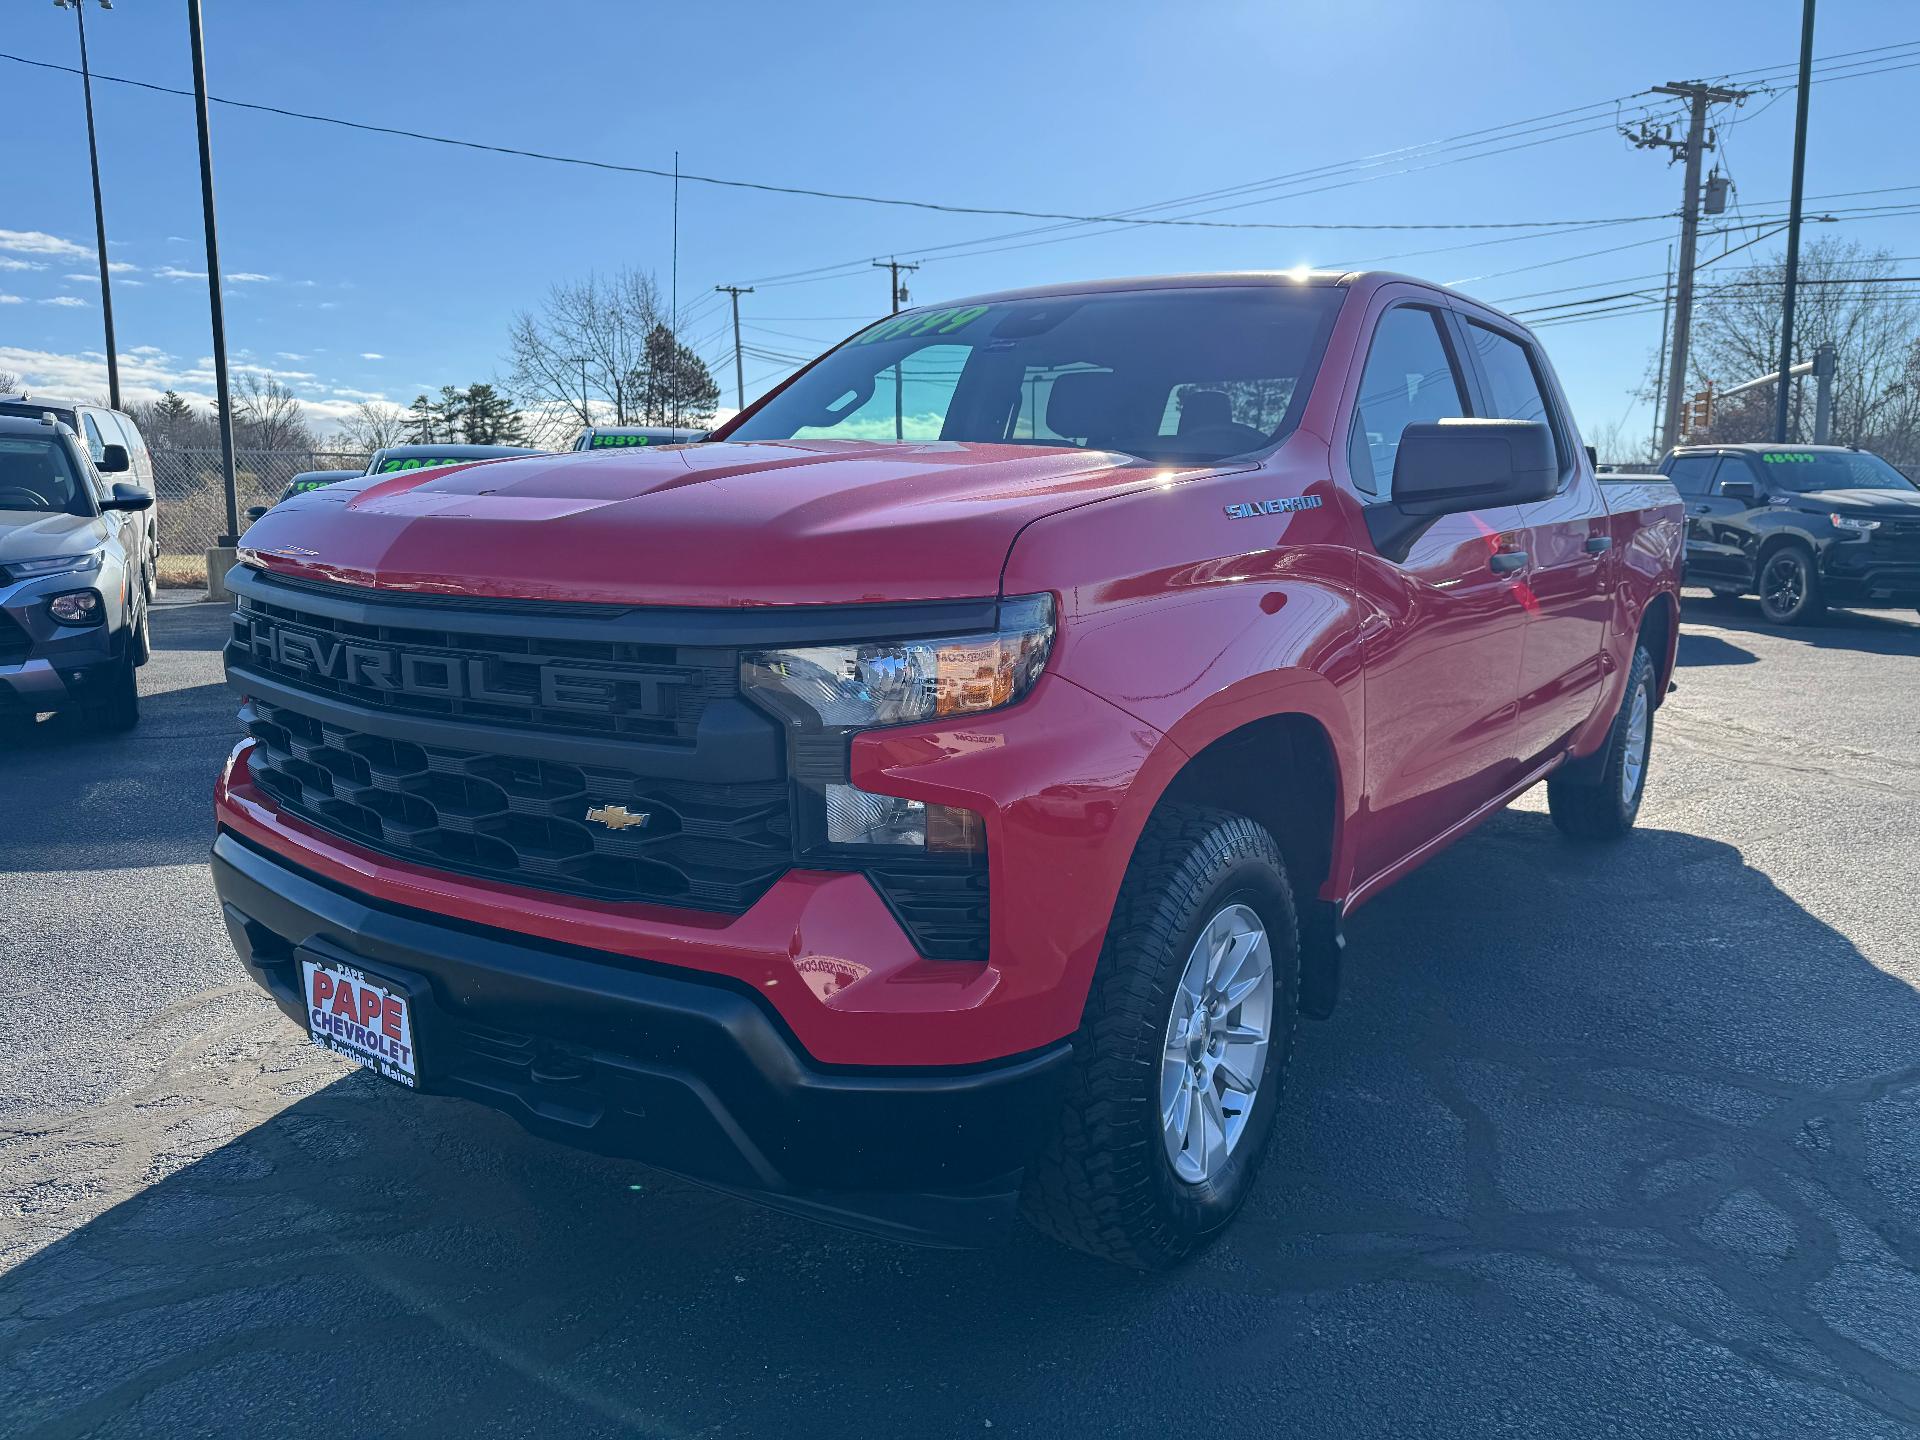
1789, 586
1105, 1183
116, 710
1599, 802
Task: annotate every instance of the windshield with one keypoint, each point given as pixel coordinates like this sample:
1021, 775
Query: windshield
38, 474
1802, 471
1182, 374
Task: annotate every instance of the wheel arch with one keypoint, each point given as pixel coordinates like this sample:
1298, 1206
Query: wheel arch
1660, 632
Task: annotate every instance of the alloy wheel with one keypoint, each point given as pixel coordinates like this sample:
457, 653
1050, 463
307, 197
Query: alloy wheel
1216, 1046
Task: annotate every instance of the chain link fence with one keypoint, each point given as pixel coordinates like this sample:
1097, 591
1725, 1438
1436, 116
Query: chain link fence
192, 500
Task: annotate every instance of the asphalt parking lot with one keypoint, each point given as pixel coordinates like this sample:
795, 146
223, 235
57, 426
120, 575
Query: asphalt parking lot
1622, 1142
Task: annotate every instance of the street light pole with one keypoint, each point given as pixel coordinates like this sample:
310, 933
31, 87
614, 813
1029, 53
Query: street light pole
225, 417
1793, 224
99, 208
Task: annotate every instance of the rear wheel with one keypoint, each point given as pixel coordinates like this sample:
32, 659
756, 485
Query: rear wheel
1183, 1050
1790, 588
1603, 804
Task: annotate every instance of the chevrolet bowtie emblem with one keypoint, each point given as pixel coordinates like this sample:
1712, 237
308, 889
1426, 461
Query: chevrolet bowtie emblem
617, 817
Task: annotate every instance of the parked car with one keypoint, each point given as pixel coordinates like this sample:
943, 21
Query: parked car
397, 458
73, 602
626, 437
300, 484
98, 427
1802, 526
909, 832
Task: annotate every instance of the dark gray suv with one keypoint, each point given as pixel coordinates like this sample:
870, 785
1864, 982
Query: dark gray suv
73, 602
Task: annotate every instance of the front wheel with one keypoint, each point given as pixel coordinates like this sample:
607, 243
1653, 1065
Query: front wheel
1790, 588
1183, 1050
1603, 804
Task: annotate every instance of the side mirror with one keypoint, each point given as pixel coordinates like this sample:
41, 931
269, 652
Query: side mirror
114, 461
125, 496
254, 512
1742, 490
1449, 467
1593, 456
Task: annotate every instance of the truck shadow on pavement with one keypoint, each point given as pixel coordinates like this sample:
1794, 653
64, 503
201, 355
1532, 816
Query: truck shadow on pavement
1883, 632
1596, 1137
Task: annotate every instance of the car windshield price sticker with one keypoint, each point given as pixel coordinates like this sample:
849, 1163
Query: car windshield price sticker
359, 1018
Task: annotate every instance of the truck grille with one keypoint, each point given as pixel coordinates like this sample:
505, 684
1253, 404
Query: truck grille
589, 830
566, 685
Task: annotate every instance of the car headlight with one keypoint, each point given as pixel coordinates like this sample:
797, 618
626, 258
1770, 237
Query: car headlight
57, 565
77, 607
903, 682
1848, 522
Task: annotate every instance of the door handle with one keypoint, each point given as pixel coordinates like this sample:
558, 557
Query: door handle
1599, 544
1703, 509
1505, 562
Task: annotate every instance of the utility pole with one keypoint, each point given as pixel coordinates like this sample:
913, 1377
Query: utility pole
739, 380
896, 290
232, 537
99, 210
1660, 377
1698, 141
1793, 223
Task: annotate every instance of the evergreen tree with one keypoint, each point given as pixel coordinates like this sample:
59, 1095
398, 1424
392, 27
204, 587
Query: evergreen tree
674, 387
488, 418
421, 416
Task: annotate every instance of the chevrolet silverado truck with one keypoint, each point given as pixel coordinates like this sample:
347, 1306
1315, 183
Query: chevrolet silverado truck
936, 798
1801, 526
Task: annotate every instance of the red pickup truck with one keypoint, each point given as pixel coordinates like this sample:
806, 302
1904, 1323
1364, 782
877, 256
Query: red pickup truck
937, 797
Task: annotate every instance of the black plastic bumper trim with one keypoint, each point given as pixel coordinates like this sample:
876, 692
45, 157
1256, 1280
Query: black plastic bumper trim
694, 1075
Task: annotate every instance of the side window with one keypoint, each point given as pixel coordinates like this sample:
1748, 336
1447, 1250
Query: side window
1693, 474
1513, 381
1410, 378
1741, 467
95, 445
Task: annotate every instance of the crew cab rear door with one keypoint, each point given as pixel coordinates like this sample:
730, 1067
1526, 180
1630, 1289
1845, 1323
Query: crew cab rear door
1442, 635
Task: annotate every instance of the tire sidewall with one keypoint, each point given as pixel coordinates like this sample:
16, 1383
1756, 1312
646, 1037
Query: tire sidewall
1809, 582
1202, 1209
1640, 678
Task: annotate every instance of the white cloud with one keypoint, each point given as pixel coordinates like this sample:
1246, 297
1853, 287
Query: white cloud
329, 305
287, 355
119, 266
248, 277
348, 393
148, 373
174, 272
149, 352
11, 300
65, 302
82, 279
11, 264
177, 239
371, 355
38, 242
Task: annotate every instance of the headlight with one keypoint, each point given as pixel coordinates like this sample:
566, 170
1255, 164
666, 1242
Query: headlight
1848, 522
76, 607
901, 682
57, 565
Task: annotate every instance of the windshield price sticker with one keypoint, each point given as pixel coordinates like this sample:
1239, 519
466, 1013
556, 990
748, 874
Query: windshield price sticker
1780, 458
922, 322
392, 466
615, 442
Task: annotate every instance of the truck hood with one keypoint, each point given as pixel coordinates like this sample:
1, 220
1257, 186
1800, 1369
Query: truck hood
36, 535
756, 523
1864, 503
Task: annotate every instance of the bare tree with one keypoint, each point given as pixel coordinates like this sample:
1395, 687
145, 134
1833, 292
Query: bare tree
267, 415
10, 383
1844, 301
582, 351
373, 425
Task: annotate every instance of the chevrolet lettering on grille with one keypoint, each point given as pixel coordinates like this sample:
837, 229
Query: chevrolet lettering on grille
438, 675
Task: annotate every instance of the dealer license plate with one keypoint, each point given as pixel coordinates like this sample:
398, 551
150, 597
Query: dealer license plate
369, 1021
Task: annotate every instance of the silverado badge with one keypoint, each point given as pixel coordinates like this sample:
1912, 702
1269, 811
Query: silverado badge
617, 817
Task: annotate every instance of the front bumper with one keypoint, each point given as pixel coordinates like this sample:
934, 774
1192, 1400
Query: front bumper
1865, 574
694, 1074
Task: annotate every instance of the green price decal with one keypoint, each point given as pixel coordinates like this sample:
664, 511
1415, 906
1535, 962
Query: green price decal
1782, 458
922, 322
396, 465
615, 442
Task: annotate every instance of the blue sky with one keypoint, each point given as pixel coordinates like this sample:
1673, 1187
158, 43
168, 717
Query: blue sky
364, 265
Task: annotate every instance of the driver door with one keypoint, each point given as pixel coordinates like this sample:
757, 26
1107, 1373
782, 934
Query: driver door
1442, 637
